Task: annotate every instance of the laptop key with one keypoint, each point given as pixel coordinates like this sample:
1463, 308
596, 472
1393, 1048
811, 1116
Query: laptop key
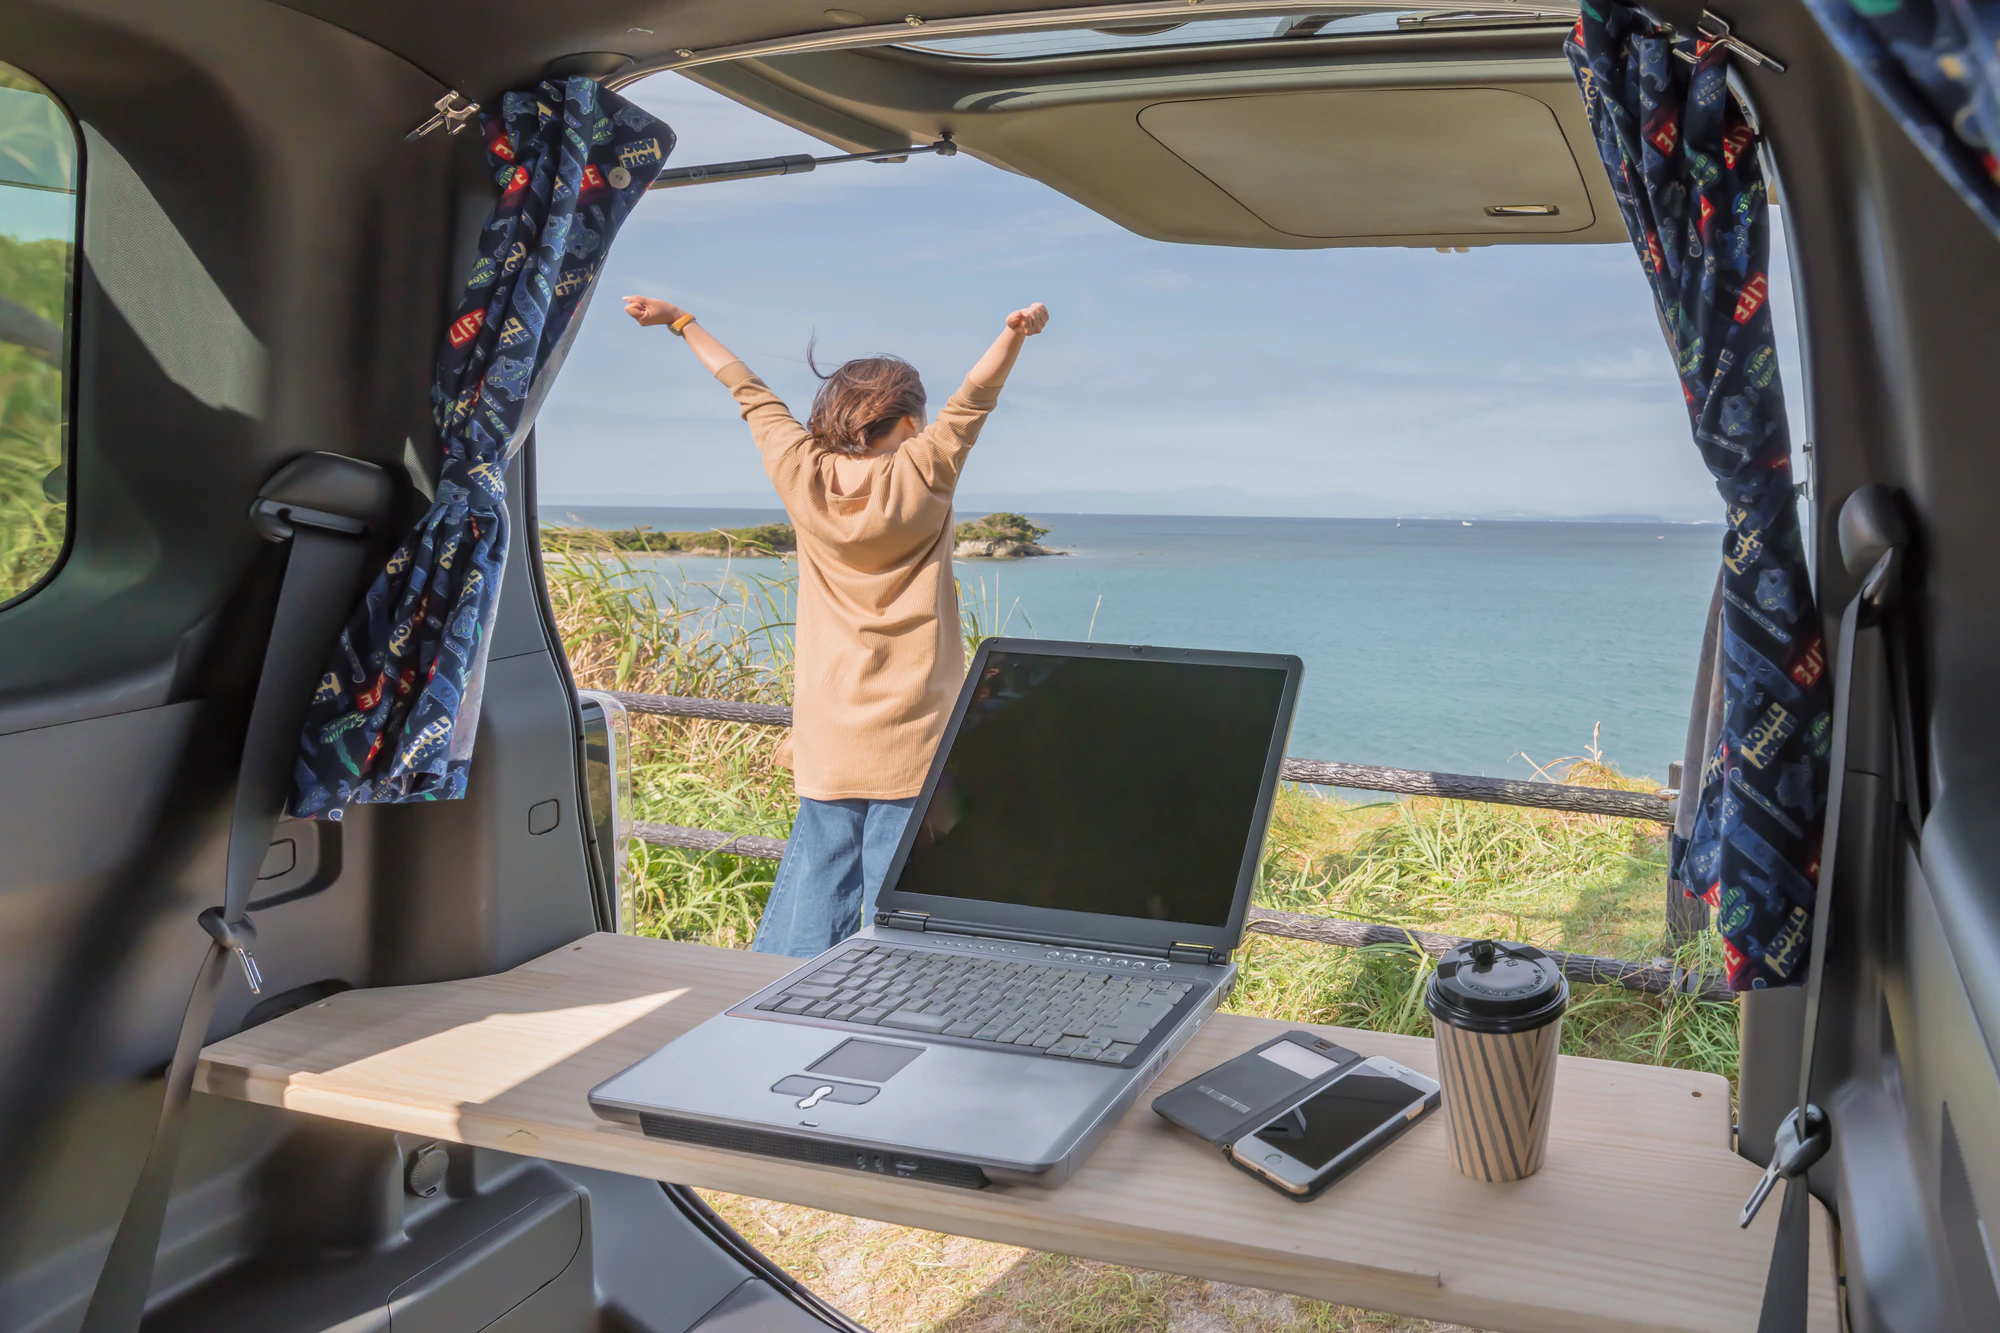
914, 1021
844, 1012
869, 1014
809, 992
1088, 1050
1115, 1052
1048, 1038
962, 1028
821, 1008
794, 1005
1062, 1048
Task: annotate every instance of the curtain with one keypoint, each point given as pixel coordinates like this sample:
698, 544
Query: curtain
394, 715
1936, 65
1682, 158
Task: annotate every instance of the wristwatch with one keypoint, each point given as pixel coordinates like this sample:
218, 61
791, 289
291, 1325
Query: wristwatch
679, 326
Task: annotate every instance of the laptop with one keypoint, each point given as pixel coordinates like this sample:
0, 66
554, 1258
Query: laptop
1058, 921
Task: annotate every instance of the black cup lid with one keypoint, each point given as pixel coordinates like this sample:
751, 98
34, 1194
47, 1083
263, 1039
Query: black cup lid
1484, 986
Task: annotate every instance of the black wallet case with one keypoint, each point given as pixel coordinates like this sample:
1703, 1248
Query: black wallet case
1243, 1095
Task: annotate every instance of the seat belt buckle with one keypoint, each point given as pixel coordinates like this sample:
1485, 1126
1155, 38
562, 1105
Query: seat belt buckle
236, 937
1794, 1154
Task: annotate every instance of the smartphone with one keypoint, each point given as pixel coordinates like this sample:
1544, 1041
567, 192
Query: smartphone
1247, 1091
1321, 1138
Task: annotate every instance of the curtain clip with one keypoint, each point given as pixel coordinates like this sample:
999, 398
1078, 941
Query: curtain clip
1712, 31
449, 113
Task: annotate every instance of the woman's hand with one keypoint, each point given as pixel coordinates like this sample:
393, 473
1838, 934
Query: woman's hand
1024, 322
992, 369
649, 310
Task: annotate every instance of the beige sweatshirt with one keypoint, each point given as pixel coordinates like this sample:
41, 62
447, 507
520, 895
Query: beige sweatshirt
878, 653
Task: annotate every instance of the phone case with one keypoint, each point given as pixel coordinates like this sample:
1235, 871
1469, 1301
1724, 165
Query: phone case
1243, 1094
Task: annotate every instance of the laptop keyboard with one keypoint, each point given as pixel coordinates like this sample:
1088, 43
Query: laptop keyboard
1066, 1012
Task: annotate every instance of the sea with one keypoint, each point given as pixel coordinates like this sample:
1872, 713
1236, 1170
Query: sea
1488, 647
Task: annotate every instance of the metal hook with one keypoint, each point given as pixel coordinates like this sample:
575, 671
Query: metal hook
448, 114
1712, 30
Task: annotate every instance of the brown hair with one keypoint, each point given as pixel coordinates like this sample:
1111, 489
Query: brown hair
862, 400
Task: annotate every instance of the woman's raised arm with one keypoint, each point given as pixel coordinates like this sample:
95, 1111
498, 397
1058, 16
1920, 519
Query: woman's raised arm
993, 368
650, 310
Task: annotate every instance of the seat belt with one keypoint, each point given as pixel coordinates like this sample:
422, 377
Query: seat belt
1873, 545
324, 505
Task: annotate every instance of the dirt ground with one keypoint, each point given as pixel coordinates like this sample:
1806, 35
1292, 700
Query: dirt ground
899, 1280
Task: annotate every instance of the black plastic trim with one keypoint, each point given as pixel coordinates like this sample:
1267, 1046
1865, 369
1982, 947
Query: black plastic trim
594, 858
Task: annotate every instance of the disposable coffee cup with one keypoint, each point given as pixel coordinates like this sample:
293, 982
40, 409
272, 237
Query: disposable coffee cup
1496, 1010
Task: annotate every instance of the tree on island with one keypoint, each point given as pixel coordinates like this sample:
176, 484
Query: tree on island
1001, 527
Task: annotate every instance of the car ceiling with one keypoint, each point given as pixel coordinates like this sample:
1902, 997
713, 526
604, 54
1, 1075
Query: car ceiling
483, 46
1444, 139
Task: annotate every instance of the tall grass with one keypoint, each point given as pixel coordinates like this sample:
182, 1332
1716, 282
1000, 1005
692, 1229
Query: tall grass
34, 275
627, 625
1580, 882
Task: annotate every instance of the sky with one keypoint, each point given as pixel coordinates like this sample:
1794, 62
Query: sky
1514, 379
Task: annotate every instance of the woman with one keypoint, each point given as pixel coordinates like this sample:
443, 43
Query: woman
877, 650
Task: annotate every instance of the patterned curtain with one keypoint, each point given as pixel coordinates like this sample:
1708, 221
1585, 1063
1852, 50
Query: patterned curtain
1682, 158
394, 716
1936, 65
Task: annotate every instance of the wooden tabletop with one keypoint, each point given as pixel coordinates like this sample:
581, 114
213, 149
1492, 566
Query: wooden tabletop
1631, 1225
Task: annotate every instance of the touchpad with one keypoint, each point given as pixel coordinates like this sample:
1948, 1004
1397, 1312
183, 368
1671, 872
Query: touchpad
871, 1061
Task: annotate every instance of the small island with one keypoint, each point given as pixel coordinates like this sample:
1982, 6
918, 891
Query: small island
763, 539
994, 537
1000, 537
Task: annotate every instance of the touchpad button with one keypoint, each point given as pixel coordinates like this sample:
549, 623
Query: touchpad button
813, 1091
873, 1061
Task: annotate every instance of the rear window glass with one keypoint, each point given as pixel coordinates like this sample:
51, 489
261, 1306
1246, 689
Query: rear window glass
38, 225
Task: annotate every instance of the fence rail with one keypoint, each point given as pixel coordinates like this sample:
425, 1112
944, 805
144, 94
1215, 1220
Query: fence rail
1359, 777
1648, 978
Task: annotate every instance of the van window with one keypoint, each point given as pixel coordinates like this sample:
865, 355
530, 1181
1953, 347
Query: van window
39, 214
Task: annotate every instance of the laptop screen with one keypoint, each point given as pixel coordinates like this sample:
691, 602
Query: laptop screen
1122, 786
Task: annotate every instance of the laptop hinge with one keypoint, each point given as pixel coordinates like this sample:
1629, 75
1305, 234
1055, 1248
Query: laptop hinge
902, 920
1195, 953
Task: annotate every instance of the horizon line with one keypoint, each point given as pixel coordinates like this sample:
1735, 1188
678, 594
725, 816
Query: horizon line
544, 506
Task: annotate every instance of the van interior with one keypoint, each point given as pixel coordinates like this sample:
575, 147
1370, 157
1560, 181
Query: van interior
244, 260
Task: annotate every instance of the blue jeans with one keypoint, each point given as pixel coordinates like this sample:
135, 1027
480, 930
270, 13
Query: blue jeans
832, 870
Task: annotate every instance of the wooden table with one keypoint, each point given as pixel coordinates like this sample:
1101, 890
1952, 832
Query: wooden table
1630, 1225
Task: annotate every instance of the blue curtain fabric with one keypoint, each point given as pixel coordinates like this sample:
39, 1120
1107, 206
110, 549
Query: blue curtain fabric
394, 715
1682, 158
1936, 65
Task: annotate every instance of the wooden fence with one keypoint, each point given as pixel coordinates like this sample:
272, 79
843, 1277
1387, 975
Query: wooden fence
1655, 978
1319, 772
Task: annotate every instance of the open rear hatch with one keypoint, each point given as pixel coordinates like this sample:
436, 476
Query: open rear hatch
1345, 126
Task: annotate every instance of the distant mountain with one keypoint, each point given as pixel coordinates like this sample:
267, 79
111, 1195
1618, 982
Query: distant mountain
1207, 501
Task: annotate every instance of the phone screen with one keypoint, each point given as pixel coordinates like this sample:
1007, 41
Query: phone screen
1334, 1120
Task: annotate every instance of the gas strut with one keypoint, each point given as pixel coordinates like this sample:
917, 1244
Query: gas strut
789, 165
